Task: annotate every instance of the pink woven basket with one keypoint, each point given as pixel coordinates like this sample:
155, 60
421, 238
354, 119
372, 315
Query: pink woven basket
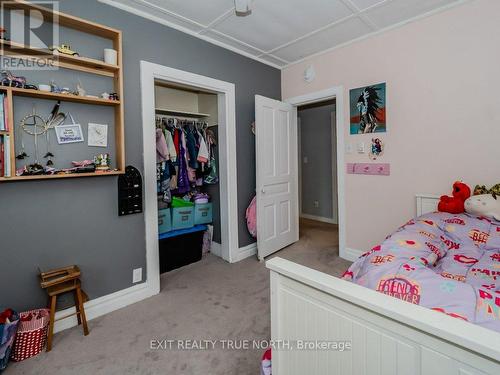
31, 335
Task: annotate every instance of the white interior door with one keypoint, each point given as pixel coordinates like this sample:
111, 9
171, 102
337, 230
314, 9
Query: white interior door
276, 175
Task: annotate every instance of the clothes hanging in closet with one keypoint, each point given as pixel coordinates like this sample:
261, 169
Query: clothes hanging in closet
212, 176
186, 156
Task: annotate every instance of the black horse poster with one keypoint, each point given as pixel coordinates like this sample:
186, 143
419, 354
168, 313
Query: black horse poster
367, 105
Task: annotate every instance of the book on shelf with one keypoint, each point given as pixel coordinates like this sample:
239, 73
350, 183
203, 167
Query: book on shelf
2, 151
5, 103
3, 123
6, 170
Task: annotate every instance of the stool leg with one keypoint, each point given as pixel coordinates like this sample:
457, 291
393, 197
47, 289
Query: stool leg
77, 307
53, 300
82, 311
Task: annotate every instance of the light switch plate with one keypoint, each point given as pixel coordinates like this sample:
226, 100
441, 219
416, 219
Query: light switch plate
137, 275
348, 148
306, 160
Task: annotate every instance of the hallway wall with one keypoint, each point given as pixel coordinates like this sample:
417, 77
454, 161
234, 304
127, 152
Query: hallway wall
316, 160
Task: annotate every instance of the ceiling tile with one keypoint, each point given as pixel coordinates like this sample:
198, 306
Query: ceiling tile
233, 43
273, 23
363, 4
202, 12
350, 29
159, 14
400, 10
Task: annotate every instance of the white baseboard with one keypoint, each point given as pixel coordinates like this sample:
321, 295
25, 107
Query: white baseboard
350, 254
328, 220
104, 305
216, 249
244, 252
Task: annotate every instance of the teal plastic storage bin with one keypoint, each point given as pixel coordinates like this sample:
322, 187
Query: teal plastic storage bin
182, 217
202, 213
164, 220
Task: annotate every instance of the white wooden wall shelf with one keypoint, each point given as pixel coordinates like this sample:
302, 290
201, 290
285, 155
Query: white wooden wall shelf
77, 63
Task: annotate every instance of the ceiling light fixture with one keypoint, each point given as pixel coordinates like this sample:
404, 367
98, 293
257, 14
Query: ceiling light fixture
243, 8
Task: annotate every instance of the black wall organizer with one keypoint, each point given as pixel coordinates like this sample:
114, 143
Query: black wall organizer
130, 192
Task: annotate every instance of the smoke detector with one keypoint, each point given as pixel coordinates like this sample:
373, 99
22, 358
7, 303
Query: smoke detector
309, 74
243, 8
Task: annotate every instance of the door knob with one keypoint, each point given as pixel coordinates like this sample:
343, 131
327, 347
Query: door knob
263, 191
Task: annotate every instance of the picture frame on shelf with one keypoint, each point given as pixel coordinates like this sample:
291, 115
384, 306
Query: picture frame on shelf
97, 135
71, 133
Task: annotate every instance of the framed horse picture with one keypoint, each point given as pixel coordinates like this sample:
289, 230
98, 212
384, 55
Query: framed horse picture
368, 109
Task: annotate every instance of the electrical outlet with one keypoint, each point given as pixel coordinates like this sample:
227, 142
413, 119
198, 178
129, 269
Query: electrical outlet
361, 147
306, 160
137, 275
316, 204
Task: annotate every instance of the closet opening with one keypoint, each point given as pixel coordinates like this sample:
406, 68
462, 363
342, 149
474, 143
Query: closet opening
187, 169
317, 170
174, 99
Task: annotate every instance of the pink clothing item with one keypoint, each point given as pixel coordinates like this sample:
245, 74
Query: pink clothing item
251, 216
161, 147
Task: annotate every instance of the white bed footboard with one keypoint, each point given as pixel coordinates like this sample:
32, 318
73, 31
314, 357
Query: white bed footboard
387, 336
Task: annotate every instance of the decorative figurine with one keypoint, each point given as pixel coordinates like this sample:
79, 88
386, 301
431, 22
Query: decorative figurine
377, 149
65, 49
102, 162
80, 91
2, 34
54, 87
9, 79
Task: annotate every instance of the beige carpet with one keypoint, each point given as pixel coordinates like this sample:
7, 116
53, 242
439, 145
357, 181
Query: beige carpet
210, 299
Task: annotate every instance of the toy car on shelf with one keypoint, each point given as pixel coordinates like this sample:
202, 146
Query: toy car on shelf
65, 49
9, 79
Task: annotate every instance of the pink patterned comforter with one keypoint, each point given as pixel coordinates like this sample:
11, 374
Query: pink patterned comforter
449, 263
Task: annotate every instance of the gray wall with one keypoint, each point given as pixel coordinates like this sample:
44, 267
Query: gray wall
316, 146
49, 224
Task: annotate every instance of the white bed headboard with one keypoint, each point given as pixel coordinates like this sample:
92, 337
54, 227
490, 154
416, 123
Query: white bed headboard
426, 203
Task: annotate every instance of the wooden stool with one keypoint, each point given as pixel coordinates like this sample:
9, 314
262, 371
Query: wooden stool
59, 281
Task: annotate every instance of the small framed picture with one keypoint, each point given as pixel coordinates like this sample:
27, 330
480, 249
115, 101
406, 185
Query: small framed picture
69, 133
98, 135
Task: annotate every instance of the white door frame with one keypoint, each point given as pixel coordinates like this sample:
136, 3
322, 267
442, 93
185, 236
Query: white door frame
336, 92
227, 160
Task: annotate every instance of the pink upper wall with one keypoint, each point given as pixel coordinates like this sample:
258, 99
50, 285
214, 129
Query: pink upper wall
443, 111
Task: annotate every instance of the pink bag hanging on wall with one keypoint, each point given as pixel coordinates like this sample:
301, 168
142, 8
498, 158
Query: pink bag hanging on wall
251, 216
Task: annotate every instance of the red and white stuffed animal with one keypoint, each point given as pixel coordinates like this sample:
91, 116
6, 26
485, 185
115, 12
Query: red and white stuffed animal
455, 204
266, 363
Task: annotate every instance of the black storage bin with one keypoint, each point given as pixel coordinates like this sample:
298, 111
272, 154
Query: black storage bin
180, 250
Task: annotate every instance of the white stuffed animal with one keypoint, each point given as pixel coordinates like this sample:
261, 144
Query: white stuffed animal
484, 205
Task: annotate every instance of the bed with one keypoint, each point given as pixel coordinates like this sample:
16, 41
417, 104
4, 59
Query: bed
404, 307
